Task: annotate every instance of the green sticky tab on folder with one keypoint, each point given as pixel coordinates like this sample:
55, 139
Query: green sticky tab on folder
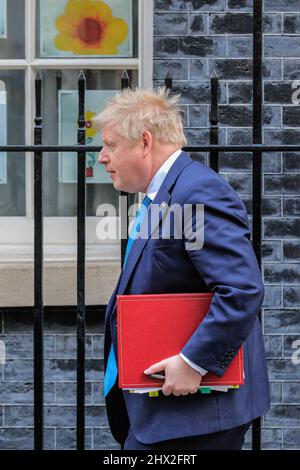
205, 389
153, 394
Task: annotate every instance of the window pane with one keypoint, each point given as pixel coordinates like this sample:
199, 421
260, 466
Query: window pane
12, 165
60, 171
12, 29
67, 28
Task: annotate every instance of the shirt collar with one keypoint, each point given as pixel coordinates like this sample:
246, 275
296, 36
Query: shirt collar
160, 175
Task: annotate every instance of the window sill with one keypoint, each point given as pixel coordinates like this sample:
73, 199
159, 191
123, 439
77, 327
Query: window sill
60, 276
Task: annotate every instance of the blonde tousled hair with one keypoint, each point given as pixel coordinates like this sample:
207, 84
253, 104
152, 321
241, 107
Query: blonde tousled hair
133, 112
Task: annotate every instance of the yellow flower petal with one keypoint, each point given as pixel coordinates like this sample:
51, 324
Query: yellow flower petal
90, 114
64, 25
107, 48
117, 31
76, 8
103, 11
64, 42
90, 132
88, 8
89, 126
103, 50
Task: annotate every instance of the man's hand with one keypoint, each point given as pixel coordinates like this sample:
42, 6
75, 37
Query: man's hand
181, 379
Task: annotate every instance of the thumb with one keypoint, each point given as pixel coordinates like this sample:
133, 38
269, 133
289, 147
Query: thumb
157, 367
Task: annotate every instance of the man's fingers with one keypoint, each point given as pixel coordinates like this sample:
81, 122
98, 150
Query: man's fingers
184, 392
159, 366
167, 390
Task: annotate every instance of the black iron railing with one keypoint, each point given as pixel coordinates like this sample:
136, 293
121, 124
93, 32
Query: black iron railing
81, 215
257, 160
38, 273
81, 149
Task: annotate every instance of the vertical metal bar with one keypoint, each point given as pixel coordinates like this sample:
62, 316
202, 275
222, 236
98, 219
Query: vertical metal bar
125, 80
58, 79
257, 161
213, 119
81, 208
124, 218
58, 87
38, 274
168, 81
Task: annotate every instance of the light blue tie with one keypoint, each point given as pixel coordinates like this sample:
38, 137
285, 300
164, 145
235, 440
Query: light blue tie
112, 368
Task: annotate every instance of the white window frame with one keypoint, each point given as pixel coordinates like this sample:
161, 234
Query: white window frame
17, 233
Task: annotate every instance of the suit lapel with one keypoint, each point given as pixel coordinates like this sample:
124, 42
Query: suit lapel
163, 196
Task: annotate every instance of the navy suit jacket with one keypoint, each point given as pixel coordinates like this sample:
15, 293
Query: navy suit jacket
226, 265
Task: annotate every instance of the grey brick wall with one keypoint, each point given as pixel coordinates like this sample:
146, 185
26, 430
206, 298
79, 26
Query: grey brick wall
16, 382
192, 40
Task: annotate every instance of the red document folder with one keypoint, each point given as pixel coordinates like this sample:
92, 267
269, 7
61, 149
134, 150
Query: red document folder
152, 327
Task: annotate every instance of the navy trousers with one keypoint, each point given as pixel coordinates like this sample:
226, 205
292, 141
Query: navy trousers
230, 439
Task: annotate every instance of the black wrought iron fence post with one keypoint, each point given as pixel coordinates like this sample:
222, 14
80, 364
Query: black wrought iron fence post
168, 81
124, 216
81, 311
38, 274
257, 161
213, 119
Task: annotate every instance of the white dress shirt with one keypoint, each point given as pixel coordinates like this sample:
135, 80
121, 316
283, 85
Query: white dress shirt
151, 192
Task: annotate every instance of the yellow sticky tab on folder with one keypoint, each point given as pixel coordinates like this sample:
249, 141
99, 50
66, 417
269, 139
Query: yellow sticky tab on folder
235, 386
131, 391
153, 394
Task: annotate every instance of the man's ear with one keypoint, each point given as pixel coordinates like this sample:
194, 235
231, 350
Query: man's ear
147, 141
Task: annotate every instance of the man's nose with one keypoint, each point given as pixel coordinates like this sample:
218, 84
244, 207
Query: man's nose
102, 157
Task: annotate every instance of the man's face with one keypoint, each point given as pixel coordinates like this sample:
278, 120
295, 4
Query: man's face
124, 161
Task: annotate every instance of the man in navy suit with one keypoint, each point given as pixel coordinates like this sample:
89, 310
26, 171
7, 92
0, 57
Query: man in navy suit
142, 139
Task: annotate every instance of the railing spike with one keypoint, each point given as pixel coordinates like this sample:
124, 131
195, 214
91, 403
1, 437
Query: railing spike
168, 80
81, 76
125, 80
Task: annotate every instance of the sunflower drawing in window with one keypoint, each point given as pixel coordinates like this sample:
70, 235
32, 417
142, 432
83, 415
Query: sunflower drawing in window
90, 133
85, 28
